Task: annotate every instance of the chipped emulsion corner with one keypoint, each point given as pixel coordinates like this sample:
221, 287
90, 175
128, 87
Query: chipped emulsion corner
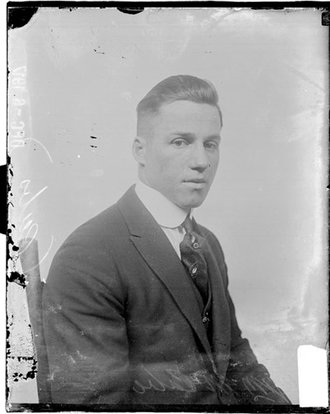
21, 355
21, 363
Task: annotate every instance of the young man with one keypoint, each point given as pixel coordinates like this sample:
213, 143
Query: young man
136, 305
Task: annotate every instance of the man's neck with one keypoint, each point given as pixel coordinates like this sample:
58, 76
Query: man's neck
164, 211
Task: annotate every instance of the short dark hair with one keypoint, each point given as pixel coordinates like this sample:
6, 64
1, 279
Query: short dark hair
178, 88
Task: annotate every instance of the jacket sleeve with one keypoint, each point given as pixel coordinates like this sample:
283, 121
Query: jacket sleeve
247, 381
84, 326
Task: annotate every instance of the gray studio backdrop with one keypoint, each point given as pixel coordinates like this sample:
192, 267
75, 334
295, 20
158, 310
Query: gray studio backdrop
84, 70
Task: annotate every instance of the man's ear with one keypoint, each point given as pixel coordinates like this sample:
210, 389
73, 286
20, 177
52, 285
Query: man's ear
139, 150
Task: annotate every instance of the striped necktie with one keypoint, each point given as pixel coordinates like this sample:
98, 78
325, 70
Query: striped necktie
193, 258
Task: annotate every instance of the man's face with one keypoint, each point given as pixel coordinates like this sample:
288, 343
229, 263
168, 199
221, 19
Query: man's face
181, 152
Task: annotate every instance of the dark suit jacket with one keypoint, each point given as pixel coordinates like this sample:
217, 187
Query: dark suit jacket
123, 324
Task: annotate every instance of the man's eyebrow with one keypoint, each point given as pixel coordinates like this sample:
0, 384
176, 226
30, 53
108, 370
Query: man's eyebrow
189, 135
215, 136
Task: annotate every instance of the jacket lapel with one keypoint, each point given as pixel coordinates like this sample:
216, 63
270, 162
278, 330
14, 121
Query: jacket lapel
153, 245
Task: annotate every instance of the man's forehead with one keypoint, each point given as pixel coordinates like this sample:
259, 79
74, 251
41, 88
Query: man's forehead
188, 111
179, 113
185, 106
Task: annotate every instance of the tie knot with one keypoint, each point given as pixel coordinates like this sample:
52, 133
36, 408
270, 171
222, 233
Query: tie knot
188, 225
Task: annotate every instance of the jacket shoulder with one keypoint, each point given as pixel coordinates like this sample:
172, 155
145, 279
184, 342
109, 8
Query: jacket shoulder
98, 231
104, 229
91, 242
211, 238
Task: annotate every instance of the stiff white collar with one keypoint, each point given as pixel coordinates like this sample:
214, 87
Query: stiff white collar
166, 213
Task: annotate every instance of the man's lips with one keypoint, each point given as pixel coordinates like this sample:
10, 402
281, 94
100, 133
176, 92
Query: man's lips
195, 183
196, 180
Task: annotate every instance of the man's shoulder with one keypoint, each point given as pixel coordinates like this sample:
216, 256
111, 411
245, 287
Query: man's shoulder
93, 242
212, 239
207, 233
102, 230
98, 228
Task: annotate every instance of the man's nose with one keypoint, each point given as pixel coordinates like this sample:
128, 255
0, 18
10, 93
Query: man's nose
200, 160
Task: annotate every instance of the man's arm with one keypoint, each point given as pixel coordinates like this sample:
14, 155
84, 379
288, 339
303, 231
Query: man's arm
246, 379
84, 326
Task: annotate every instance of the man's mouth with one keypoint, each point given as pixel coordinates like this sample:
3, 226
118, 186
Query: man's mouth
196, 181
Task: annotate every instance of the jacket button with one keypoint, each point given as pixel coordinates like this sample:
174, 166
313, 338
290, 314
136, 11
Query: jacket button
205, 319
196, 245
194, 270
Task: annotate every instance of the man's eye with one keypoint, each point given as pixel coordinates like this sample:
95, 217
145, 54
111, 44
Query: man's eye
179, 142
212, 145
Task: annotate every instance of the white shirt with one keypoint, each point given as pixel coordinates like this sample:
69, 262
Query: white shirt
167, 214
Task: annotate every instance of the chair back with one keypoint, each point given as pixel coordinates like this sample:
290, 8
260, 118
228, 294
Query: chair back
28, 253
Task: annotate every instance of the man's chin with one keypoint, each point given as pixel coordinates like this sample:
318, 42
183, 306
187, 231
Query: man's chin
190, 203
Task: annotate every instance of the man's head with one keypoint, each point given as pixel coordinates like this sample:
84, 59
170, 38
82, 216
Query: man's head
178, 136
